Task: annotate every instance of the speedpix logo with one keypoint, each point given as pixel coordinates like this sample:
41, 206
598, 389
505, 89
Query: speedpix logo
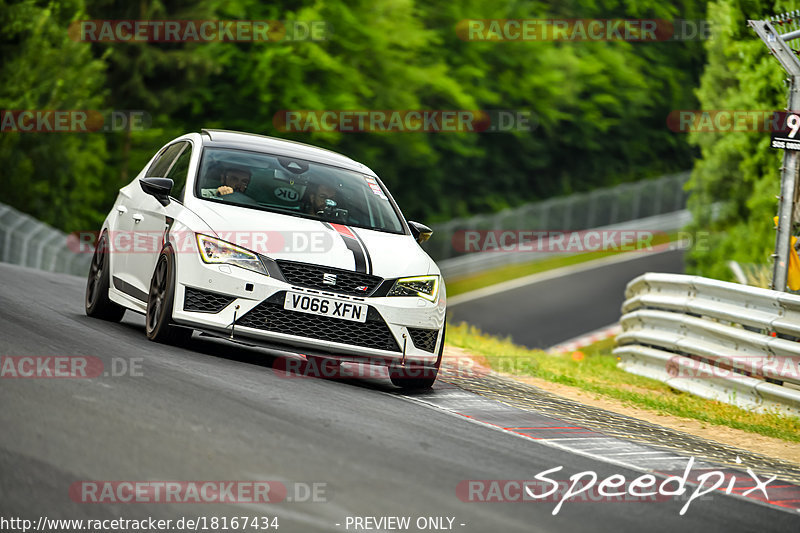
589, 487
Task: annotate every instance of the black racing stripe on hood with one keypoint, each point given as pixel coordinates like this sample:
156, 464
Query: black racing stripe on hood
354, 246
366, 251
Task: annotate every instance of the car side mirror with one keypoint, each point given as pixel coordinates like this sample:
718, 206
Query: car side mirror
421, 232
157, 187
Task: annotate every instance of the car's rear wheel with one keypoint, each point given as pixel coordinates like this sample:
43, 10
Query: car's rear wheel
417, 377
97, 302
160, 300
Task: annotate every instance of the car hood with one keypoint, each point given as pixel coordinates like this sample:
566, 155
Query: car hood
304, 240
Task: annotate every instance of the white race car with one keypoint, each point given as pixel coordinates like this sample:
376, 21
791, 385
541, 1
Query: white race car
276, 243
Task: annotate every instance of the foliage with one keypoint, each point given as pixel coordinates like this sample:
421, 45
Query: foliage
599, 108
737, 169
57, 177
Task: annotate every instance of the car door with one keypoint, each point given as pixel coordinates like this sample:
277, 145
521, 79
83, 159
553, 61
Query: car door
149, 217
123, 228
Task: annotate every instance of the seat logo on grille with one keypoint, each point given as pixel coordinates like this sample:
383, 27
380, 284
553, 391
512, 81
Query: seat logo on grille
329, 279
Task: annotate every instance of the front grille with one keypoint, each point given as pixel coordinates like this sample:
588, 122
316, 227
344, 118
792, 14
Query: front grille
424, 339
204, 301
311, 276
270, 315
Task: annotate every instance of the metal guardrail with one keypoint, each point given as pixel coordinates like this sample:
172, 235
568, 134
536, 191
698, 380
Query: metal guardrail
722, 341
28, 242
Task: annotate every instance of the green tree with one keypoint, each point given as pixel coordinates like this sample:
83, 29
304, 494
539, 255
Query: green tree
378, 56
55, 176
599, 107
737, 170
165, 80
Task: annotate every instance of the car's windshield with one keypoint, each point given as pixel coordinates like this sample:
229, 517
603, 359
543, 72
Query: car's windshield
296, 187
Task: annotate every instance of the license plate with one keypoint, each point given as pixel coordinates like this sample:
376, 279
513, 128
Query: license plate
325, 307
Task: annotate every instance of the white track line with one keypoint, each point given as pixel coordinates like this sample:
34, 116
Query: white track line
557, 273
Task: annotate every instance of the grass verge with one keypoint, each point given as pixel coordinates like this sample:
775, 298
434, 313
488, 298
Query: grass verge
594, 369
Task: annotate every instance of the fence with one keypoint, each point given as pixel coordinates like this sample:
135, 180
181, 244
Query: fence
478, 262
722, 341
28, 242
658, 203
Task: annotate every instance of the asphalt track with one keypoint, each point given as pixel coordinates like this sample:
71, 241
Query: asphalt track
214, 410
549, 312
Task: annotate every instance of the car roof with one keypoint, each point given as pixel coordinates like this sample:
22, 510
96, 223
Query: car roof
275, 146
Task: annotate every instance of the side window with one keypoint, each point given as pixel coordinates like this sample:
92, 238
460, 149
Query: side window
179, 172
164, 161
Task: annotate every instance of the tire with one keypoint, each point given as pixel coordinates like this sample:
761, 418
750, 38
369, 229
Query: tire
160, 300
418, 377
96, 301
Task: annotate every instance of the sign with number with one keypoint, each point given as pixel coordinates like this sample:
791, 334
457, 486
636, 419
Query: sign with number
785, 130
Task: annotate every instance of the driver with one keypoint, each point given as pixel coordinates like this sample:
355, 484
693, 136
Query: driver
233, 178
318, 196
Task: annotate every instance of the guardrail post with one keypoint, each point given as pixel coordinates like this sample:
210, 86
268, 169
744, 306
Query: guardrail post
778, 47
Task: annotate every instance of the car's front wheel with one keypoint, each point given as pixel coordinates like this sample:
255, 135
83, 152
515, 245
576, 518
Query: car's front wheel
414, 377
97, 302
158, 320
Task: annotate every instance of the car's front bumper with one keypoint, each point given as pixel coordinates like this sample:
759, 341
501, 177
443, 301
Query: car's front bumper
245, 305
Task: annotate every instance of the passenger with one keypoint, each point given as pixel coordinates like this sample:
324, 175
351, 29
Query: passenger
233, 178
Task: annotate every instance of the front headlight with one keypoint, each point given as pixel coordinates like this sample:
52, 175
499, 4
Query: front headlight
215, 251
423, 286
